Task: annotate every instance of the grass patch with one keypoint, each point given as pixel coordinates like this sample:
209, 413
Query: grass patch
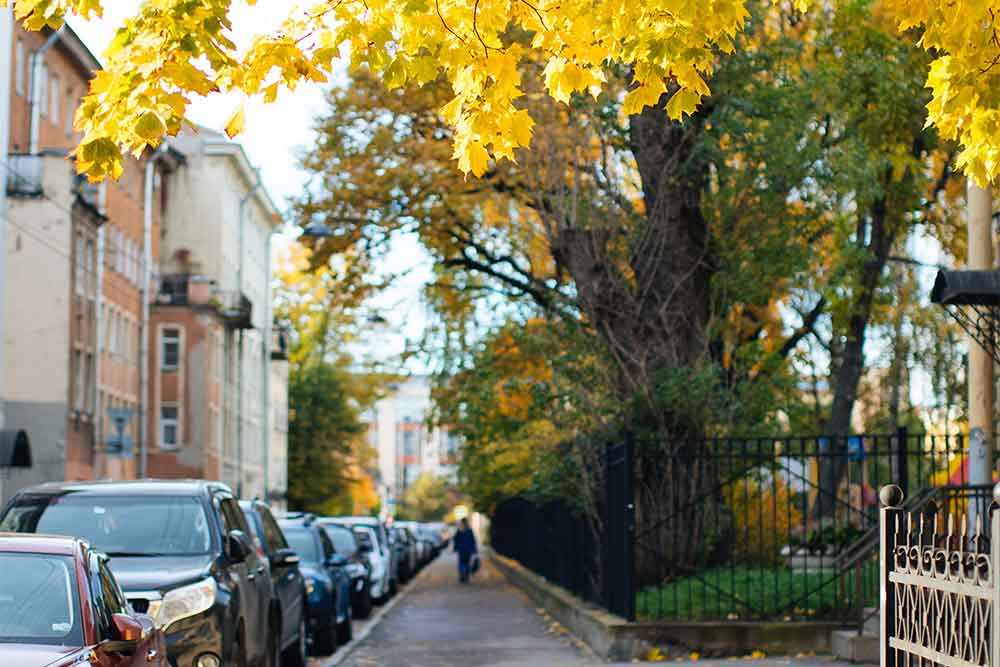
757, 593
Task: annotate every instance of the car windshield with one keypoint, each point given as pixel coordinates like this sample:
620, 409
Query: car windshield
302, 541
118, 525
343, 540
38, 600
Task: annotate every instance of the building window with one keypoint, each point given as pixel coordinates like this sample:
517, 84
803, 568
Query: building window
170, 349
19, 67
81, 284
80, 387
89, 379
169, 427
70, 111
90, 259
54, 86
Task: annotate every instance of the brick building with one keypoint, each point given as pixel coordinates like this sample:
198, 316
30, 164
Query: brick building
75, 269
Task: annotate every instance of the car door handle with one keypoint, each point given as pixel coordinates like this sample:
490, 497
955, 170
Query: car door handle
152, 655
260, 569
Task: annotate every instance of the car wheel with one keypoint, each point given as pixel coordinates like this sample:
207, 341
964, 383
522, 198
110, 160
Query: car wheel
364, 607
325, 640
295, 656
345, 630
393, 588
274, 643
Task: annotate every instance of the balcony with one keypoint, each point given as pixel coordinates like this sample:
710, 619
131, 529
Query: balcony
185, 290
236, 309
24, 179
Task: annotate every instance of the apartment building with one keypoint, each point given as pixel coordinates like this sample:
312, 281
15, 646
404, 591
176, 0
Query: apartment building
407, 447
219, 390
75, 271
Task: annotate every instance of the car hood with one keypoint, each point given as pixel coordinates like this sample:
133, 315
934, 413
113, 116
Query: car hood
36, 655
158, 573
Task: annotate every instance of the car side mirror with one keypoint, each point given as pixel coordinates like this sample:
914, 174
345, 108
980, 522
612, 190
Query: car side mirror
238, 547
337, 560
129, 630
284, 558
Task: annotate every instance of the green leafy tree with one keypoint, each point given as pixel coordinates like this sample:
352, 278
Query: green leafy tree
429, 498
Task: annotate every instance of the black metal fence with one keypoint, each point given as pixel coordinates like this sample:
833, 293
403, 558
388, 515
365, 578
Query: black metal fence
589, 556
741, 528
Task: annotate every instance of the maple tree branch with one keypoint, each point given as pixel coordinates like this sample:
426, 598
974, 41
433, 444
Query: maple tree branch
437, 7
807, 327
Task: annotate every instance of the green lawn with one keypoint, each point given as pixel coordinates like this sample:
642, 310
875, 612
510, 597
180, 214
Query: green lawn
752, 593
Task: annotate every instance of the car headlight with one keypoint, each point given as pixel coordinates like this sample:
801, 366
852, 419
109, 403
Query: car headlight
185, 602
310, 586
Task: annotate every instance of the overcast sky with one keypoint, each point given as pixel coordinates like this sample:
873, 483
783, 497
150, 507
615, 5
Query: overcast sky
272, 136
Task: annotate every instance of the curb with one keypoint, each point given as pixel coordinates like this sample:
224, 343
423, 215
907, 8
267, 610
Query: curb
344, 652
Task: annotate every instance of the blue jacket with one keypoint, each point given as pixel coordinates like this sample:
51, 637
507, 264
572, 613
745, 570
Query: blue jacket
465, 543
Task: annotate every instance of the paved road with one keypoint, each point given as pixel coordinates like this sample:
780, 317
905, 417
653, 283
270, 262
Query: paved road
487, 623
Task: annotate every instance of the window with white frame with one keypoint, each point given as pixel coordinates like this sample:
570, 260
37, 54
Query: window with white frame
169, 427
120, 259
80, 268
80, 386
19, 66
90, 259
170, 348
55, 101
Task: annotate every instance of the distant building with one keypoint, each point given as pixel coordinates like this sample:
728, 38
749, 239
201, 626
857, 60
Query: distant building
217, 361
407, 448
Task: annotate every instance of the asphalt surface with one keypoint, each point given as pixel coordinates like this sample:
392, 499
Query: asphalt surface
441, 623
437, 622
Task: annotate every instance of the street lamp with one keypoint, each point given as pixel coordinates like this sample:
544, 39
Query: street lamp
316, 230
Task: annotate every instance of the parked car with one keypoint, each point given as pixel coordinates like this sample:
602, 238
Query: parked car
286, 579
370, 529
358, 567
328, 585
420, 545
406, 550
60, 606
181, 551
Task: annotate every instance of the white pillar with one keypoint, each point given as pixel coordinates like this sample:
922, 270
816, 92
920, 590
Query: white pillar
981, 382
6, 86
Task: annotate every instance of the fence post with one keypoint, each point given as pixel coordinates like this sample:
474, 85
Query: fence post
890, 516
995, 578
901, 464
629, 473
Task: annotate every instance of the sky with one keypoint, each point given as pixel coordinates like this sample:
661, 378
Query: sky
273, 135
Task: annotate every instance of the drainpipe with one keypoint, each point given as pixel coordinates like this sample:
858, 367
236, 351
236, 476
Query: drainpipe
6, 88
239, 291
99, 347
268, 333
147, 267
37, 59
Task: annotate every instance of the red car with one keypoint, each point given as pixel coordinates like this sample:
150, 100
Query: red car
60, 606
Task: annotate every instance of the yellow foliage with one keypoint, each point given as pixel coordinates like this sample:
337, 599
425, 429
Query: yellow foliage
761, 510
172, 50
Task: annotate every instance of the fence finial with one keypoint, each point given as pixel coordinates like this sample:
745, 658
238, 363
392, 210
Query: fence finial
891, 495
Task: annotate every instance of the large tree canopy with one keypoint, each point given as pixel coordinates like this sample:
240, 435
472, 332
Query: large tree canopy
173, 49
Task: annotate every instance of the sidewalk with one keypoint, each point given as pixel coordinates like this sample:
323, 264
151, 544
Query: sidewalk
441, 623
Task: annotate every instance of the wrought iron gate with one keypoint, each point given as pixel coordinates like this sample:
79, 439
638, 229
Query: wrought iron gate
940, 591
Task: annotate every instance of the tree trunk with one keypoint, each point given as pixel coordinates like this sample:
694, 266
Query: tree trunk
881, 234
655, 322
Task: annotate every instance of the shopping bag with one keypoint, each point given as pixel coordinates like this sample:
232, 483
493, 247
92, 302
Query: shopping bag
474, 564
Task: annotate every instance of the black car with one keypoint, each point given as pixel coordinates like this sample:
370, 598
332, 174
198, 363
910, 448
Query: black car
181, 551
328, 585
286, 579
406, 547
358, 567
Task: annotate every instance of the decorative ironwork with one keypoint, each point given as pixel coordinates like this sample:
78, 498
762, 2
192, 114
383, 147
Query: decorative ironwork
939, 588
981, 322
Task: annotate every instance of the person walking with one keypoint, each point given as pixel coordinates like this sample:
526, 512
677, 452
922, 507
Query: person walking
465, 547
